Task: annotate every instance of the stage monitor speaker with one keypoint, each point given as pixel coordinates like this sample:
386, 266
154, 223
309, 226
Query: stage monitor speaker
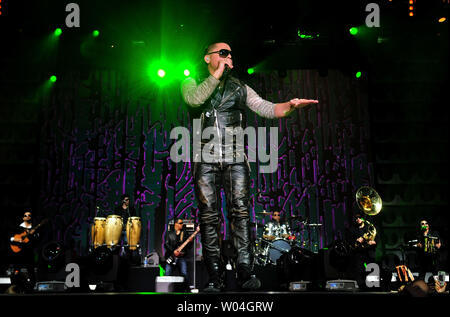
300, 286
50, 286
168, 284
342, 285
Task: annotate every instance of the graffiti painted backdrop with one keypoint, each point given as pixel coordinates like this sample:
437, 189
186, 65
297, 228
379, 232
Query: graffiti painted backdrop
106, 134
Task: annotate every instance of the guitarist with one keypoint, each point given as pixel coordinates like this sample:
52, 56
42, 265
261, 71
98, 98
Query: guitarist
25, 257
175, 238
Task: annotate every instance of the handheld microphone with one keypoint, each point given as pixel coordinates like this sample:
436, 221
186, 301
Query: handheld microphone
226, 71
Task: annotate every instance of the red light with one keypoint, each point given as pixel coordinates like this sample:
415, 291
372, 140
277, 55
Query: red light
411, 8
411, 14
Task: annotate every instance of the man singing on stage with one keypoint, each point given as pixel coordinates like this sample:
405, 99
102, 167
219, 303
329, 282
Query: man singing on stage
223, 100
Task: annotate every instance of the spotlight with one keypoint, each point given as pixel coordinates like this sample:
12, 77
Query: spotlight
353, 30
250, 71
53, 256
57, 32
358, 74
442, 19
161, 73
186, 72
95, 33
53, 78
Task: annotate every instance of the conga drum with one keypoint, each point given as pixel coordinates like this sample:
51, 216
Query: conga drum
133, 232
98, 231
113, 230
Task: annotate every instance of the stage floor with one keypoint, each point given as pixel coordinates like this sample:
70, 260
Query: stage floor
286, 303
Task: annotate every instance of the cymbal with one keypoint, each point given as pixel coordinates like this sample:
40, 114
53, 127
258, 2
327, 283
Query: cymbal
264, 213
296, 217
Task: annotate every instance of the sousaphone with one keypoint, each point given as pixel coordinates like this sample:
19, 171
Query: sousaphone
368, 200
370, 203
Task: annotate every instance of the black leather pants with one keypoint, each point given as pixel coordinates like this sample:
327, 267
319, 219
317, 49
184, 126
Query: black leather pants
234, 178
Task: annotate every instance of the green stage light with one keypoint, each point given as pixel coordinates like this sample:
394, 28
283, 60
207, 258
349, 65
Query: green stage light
95, 33
358, 74
161, 73
250, 71
353, 31
186, 72
53, 78
57, 32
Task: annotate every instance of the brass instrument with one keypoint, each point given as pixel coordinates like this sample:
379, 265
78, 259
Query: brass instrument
368, 200
370, 203
371, 232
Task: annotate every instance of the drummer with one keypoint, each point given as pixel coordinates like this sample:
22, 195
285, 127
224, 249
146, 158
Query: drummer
125, 209
275, 229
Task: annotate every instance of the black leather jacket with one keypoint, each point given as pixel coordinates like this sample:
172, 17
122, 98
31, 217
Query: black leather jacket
173, 241
223, 111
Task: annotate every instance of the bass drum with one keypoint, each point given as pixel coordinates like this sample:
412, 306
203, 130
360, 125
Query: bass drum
277, 248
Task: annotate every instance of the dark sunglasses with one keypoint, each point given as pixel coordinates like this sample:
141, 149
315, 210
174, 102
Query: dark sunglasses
27, 215
424, 223
222, 53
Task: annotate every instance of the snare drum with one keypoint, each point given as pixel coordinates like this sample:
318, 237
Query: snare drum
277, 248
133, 232
113, 230
98, 231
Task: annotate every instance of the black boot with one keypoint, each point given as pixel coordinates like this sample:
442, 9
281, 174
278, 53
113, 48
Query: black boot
215, 283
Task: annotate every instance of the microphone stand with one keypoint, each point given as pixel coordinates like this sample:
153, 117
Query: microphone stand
195, 290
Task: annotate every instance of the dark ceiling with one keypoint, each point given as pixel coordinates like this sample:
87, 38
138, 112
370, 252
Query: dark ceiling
258, 31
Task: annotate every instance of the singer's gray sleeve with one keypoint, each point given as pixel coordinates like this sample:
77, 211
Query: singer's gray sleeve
257, 104
196, 95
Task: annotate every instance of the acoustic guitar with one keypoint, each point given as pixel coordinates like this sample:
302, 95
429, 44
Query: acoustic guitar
24, 239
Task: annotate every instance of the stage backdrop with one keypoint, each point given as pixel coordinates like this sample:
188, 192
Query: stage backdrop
104, 133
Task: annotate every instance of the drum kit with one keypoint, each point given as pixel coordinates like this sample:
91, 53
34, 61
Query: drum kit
107, 231
270, 247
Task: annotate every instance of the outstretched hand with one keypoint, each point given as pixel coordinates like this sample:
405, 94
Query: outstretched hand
300, 103
286, 108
